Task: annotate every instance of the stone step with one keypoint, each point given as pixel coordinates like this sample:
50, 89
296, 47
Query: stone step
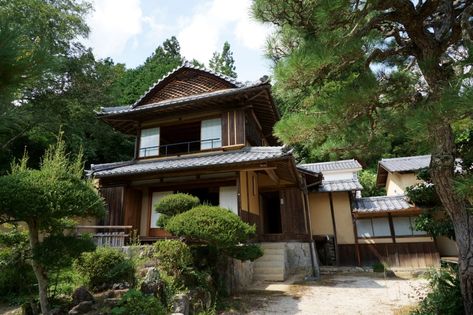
273, 251
268, 270
269, 263
273, 245
269, 277
271, 257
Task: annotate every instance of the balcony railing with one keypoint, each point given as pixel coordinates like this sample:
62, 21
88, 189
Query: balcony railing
181, 147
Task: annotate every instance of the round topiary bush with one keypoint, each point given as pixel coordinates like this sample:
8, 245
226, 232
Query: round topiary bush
105, 267
214, 225
176, 203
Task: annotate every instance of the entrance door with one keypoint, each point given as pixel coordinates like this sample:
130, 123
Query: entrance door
271, 209
154, 230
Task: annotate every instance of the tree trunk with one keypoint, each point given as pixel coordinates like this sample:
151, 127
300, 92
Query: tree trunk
442, 171
39, 271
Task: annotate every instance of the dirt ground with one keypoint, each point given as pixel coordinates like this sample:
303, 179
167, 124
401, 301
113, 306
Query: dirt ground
335, 294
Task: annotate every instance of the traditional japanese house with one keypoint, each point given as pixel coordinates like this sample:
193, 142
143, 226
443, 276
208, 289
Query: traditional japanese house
396, 174
203, 133
354, 230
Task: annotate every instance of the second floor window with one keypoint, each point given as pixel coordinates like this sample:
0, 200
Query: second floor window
149, 142
211, 134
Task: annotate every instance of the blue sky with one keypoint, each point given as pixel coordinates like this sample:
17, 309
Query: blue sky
128, 31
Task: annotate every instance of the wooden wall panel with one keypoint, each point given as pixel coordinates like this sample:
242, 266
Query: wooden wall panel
114, 197
132, 209
233, 128
409, 255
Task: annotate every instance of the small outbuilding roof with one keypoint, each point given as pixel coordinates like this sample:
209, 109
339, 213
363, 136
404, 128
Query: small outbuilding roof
331, 166
405, 164
340, 185
244, 155
381, 204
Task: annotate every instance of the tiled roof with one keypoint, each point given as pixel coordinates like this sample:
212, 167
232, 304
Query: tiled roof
331, 166
188, 65
405, 164
381, 204
340, 185
248, 154
227, 92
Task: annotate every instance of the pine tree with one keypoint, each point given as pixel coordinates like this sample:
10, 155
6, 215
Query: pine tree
361, 76
223, 62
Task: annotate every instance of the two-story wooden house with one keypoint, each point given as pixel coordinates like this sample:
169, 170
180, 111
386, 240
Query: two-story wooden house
203, 133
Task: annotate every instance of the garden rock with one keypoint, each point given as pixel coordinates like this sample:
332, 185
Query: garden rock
82, 308
152, 283
180, 304
121, 286
81, 294
200, 300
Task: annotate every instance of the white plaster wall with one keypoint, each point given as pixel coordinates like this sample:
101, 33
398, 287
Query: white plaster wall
338, 175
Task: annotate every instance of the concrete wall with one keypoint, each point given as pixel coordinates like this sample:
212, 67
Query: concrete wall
343, 218
320, 215
396, 183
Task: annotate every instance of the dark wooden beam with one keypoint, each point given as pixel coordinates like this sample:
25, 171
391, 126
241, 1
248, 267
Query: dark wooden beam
337, 256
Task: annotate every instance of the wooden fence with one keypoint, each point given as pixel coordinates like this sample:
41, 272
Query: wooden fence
106, 235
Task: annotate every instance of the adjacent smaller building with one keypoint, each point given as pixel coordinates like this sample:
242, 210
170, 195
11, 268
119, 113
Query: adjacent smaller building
396, 174
351, 230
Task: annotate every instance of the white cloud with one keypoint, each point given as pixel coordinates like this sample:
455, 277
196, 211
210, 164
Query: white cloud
113, 24
202, 33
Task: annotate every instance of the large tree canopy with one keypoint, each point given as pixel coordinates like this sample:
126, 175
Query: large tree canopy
363, 77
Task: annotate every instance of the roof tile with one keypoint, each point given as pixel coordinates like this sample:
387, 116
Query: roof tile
331, 166
381, 204
248, 154
405, 164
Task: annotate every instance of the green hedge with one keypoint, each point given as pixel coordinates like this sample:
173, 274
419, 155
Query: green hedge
176, 203
214, 225
105, 267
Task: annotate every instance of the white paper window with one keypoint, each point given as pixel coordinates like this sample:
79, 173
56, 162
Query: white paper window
402, 226
156, 197
381, 227
211, 134
228, 198
364, 228
149, 142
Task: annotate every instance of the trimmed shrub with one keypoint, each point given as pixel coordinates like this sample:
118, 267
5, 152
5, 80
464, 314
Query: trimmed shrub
214, 225
176, 203
136, 303
173, 256
245, 252
104, 267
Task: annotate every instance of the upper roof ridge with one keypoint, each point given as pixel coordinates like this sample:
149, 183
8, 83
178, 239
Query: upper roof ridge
187, 64
406, 157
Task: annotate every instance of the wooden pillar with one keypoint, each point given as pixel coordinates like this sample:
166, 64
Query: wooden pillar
391, 227
337, 256
355, 231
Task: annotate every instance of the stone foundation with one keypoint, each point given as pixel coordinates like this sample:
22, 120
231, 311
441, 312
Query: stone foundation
298, 258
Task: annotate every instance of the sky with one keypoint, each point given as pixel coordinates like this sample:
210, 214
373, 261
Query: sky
129, 31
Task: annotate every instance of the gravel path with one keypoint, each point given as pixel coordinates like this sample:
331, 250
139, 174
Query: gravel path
338, 294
